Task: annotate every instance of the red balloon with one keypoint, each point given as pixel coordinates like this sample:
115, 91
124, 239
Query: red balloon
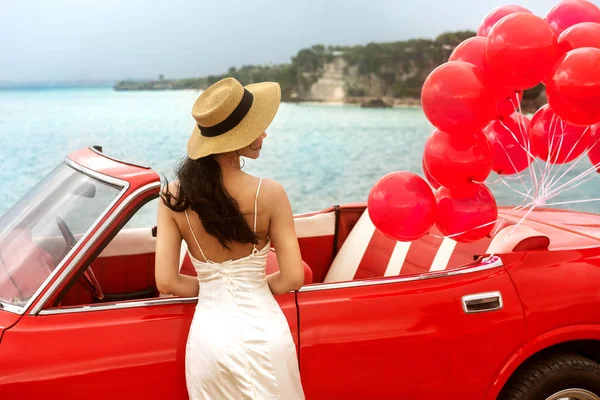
570, 12
585, 34
496, 15
457, 160
521, 50
508, 104
573, 87
594, 152
470, 213
472, 50
455, 98
512, 152
402, 206
428, 176
554, 140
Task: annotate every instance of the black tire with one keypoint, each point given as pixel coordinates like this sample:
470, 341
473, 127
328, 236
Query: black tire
542, 378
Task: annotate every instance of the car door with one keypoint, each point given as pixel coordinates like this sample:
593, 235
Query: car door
129, 350
408, 337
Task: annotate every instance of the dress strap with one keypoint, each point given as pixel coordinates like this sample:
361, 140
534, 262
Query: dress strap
194, 235
256, 206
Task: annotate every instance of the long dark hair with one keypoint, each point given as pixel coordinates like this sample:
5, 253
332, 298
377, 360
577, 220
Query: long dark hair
201, 189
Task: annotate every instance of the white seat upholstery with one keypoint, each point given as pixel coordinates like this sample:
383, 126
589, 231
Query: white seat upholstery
347, 261
348, 258
442, 257
518, 238
366, 251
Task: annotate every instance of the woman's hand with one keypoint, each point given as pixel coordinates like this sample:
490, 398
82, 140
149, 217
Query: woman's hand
168, 248
283, 238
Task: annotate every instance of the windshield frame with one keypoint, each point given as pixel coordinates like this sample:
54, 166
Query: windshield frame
120, 184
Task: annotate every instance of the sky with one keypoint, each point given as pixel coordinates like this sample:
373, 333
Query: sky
65, 40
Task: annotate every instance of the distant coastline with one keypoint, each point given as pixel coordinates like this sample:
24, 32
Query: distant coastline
162, 84
377, 75
37, 85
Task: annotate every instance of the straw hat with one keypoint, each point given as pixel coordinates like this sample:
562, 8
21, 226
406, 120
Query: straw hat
230, 116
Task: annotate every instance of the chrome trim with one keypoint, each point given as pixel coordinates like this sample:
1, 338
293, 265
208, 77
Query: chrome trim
488, 298
102, 178
120, 306
89, 243
102, 154
10, 308
487, 263
96, 175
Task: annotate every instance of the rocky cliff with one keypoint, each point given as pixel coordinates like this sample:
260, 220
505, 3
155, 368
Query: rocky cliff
377, 73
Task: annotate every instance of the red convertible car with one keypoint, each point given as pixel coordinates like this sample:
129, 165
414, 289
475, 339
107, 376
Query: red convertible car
514, 316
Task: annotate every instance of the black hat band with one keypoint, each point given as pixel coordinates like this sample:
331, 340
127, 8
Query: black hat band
232, 120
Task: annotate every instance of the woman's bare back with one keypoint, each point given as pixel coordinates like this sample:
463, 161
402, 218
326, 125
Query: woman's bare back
274, 224
243, 188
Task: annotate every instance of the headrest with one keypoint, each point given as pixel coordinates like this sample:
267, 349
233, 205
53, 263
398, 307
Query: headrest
518, 238
499, 226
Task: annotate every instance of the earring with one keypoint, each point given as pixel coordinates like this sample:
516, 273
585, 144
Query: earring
240, 161
240, 164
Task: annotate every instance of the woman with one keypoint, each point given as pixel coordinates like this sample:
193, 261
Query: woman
239, 345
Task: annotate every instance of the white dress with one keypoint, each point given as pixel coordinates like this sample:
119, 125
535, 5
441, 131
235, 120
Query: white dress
239, 345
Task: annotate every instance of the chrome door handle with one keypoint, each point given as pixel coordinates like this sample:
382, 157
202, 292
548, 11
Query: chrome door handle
482, 302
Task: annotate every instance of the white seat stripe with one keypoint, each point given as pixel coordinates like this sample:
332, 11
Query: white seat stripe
348, 259
442, 257
315, 225
397, 259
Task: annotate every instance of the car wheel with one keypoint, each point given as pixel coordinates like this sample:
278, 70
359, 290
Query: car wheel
558, 377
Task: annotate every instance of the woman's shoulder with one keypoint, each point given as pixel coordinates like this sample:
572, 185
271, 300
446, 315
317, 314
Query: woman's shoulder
270, 186
272, 191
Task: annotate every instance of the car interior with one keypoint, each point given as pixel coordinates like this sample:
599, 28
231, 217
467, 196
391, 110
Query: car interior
338, 244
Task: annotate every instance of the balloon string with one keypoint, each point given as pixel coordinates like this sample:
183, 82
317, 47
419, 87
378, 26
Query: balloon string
553, 195
590, 170
557, 154
463, 232
516, 140
517, 191
547, 164
506, 216
547, 167
506, 151
543, 189
553, 180
504, 177
533, 205
525, 136
552, 183
553, 163
510, 159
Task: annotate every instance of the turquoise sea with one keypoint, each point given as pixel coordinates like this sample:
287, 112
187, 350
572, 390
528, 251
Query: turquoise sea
322, 154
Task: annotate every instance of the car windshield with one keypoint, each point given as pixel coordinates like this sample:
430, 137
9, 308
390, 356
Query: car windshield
38, 232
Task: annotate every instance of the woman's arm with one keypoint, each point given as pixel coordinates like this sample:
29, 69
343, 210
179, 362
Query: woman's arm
168, 247
283, 238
